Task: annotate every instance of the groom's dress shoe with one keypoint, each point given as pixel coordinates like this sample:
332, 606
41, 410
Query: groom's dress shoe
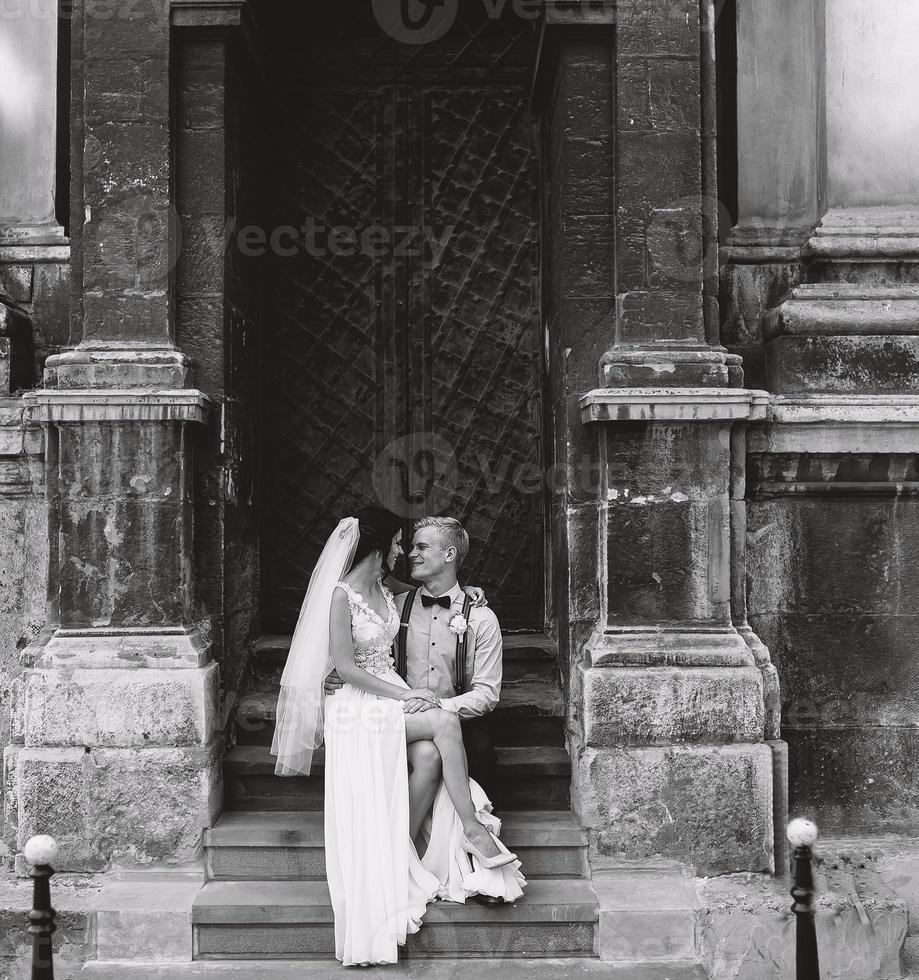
488, 900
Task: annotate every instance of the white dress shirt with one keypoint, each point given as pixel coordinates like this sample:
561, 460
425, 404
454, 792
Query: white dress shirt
431, 654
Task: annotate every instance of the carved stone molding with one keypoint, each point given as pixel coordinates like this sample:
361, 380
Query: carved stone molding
113, 405
672, 404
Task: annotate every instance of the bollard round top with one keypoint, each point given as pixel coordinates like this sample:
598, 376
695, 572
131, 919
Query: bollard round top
802, 832
40, 849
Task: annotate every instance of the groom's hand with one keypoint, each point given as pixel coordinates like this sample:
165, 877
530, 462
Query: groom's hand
476, 594
332, 683
417, 704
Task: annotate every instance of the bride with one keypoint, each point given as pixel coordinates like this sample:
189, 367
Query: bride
379, 886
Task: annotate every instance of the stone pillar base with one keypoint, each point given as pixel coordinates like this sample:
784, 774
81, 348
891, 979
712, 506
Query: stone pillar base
706, 805
116, 806
119, 708
120, 754
172, 647
664, 705
676, 364
147, 366
674, 766
687, 646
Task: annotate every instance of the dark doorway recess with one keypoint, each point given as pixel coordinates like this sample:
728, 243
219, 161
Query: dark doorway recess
403, 351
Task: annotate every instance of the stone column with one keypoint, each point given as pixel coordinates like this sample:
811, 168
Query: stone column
664, 184
777, 102
673, 760
850, 326
120, 757
28, 124
668, 707
780, 195
34, 252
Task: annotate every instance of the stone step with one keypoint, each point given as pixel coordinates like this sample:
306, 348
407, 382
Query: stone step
525, 654
856, 291
580, 968
531, 712
249, 919
646, 914
278, 845
529, 778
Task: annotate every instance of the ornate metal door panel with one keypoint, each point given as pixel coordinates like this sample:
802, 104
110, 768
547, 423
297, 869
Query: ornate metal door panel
329, 345
416, 321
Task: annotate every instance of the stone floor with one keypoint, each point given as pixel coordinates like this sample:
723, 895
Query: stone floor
544, 969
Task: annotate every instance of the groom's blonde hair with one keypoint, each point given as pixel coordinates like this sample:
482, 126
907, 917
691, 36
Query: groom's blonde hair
452, 533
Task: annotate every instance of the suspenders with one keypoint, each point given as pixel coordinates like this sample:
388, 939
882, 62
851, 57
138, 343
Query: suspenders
461, 645
402, 644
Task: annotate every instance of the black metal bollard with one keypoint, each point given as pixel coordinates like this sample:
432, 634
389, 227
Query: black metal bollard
802, 834
40, 851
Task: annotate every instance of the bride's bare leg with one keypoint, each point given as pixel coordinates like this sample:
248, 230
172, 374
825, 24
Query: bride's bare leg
424, 759
443, 728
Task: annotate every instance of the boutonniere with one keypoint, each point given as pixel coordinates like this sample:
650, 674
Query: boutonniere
458, 624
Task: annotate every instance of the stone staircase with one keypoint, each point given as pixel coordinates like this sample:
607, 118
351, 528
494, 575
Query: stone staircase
258, 904
533, 765
265, 893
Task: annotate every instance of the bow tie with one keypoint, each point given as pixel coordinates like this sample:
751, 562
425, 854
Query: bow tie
430, 600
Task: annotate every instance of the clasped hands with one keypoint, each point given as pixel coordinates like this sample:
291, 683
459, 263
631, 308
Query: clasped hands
417, 699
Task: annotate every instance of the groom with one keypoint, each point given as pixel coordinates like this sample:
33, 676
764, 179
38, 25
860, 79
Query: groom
452, 649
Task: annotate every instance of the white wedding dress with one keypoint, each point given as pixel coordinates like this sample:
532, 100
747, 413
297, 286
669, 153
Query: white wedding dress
379, 886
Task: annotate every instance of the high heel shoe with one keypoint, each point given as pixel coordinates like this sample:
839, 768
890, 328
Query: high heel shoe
498, 861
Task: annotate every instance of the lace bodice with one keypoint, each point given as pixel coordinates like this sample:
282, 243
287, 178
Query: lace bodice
372, 637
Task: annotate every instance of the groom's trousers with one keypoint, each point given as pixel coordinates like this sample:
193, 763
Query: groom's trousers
480, 752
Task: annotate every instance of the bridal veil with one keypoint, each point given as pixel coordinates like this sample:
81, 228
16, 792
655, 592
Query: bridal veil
299, 724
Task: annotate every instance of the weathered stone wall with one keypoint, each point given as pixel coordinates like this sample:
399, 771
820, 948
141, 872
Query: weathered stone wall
219, 143
579, 302
249, 143
23, 575
37, 281
834, 592
748, 291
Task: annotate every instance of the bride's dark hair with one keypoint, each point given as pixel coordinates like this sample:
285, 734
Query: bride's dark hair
378, 527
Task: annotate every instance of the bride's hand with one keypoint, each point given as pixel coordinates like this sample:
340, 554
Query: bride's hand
476, 594
420, 694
